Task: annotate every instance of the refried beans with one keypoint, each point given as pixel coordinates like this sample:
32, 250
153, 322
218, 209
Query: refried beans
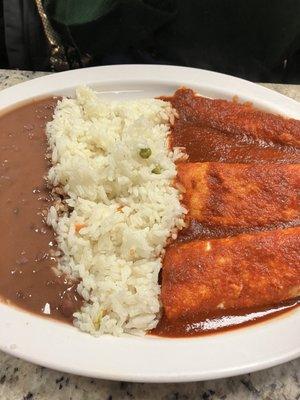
28, 245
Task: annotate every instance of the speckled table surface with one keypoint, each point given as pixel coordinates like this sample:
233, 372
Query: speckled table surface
20, 380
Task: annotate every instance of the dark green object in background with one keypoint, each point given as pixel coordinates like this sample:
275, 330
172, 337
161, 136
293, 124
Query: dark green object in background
256, 39
113, 27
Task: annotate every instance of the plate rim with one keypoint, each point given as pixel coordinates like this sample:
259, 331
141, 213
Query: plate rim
132, 74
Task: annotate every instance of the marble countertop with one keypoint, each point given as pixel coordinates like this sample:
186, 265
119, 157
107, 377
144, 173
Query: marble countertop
20, 380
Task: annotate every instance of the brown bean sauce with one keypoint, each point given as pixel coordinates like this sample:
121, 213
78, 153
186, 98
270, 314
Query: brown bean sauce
28, 245
205, 141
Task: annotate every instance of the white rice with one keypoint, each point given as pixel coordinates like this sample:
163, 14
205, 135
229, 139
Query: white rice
127, 212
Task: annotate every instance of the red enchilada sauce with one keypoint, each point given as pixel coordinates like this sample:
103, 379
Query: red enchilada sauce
27, 243
217, 131
220, 321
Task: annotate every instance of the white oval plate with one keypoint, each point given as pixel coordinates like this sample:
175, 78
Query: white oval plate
149, 359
